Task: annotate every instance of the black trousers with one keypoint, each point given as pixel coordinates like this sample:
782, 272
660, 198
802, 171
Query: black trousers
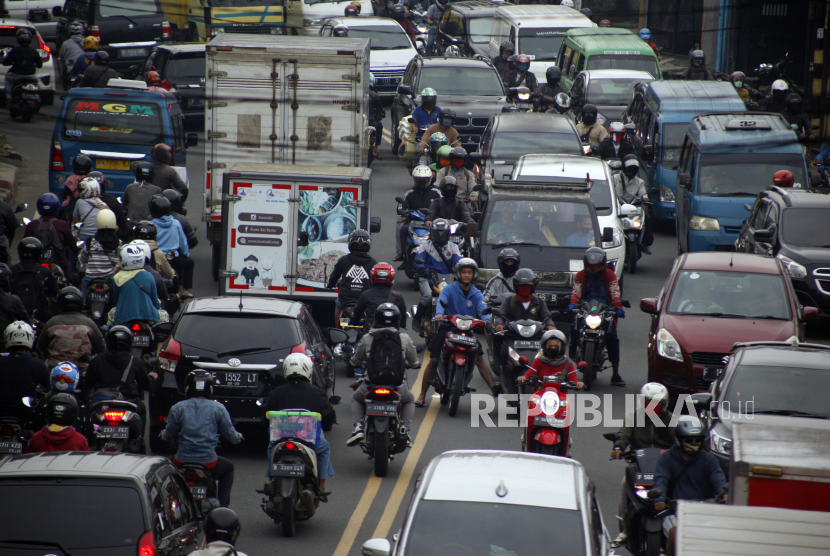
223, 473
184, 269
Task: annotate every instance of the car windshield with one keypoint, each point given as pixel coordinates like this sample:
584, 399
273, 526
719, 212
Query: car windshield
543, 223
509, 146
806, 227
451, 528
744, 174
128, 8
624, 61
761, 387
461, 81
671, 143
542, 44
74, 513
480, 29
738, 295
99, 121
612, 92
187, 69
383, 37
220, 332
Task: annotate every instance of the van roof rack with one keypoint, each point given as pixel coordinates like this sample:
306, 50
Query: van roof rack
133, 84
546, 185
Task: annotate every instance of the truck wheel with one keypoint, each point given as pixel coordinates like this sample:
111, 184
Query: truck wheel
216, 254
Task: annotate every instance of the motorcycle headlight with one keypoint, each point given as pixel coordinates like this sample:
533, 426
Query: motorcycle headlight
593, 321
453, 228
463, 324
794, 269
720, 444
704, 224
526, 331
666, 194
667, 346
549, 404
524, 96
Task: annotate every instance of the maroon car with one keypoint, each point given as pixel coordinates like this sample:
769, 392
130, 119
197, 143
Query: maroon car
709, 302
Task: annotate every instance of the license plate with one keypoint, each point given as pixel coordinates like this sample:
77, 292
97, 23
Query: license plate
110, 164
287, 470
98, 297
525, 344
113, 432
11, 447
37, 16
645, 477
236, 380
712, 373
382, 409
199, 492
547, 297
141, 341
31, 96
386, 81
463, 340
196, 102
131, 52
544, 421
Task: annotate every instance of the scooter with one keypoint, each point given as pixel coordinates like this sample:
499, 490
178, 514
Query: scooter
522, 98
548, 427
385, 434
437, 282
201, 483
417, 233
522, 338
13, 438
593, 320
344, 351
143, 339
117, 427
633, 222
25, 100
99, 300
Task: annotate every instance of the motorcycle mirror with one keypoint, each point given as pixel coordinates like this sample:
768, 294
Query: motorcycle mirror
21, 207
655, 493
303, 240
612, 436
478, 187
399, 199
554, 314
26, 221
748, 207
444, 304
335, 400
27, 401
336, 336
626, 304
523, 360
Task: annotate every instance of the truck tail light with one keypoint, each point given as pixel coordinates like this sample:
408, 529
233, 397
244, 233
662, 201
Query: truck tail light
57, 156
94, 31
165, 31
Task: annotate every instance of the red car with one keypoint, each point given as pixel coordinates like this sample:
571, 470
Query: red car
709, 302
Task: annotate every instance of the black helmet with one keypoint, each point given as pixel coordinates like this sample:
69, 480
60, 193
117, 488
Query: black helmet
82, 165
119, 338
387, 315
525, 277
688, 427
5, 277
29, 249
631, 165
62, 409
449, 187
70, 299
587, 12
199, 383
145, 230
222, 524
359, 241
439, 232
509, 254
24, 36
175, 199
793, 102
449, 113
553, 75
506, 45
398, 12
102, 58
340, 31
697, 58
589, 114
144, 172
100, 178
159, 206
596, 257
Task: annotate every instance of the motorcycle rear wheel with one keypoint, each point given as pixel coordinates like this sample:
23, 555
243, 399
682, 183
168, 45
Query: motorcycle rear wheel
289, 515
588, 357
457, 389
381, 453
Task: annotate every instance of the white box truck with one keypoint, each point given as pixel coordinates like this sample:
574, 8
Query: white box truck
281, 100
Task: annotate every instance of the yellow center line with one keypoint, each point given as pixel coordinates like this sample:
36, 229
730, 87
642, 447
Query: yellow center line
359, 514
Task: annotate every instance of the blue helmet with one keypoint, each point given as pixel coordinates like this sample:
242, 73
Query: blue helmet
371, 80
65, 377
644, 34
48, 204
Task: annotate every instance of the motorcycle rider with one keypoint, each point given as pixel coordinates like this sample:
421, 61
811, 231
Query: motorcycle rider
164, 175
434, 14
11, 308
23, 59
134, 289
387, 10
69, 335
506, 50
775, 101
146, 231
221, 529
648, 435
589, 129
176, 210
436, 141
156, 85
161, 288
697, 70
419, 197
738, 78
617, 144
645, 35
28, 272
509, 262
449, 206
553, 360
783, 178
59, 435
351, 11
387, 317
81, 167
376, 114
428, 112
795, 116
171, 240
351, 272
99, 73
686, 472
299, 393
443, 125
383, 275
196, 423
521, 76
440, 255
52, 232
137, 195
596, 281
399, 15
111, 200
87, 208
464, 179
629, 183
442, 160
99, 256
82, 62
20, 373
71, 48
548, 90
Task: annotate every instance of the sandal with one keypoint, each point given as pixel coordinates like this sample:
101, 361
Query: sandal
420, 403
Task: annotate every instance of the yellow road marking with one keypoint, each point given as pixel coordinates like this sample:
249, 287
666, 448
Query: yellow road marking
359, 514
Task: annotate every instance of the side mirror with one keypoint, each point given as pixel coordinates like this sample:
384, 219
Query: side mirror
478, 187
303, 239
336, 336
163, 330
374, 225
748, 207
21, 207
628, 211
476, 216
376, 547
57, 11
607, 235
534, 96
192, 140
625, 304
26, 221
404, 90
399, 199
701, 400
648, 154
513, 91
655, 493
649, 305
815, 151
27, 401
472, 229
764, 236
809, 313
612, 436
475, 157
684, 180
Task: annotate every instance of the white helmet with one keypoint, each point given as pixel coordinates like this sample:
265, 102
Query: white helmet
655, 391
780, 85
551, 334
421, 171
89, 187
105, 220
131, 257
19, 334
148, 253
297, 365
567, 3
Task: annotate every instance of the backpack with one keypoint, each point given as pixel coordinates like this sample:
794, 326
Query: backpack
385, 366
27, 285
48, 236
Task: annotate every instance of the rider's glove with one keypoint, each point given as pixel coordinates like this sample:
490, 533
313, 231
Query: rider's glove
571, 307
621, 313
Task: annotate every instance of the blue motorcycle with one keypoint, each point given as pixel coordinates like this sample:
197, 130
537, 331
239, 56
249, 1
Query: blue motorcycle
417, 232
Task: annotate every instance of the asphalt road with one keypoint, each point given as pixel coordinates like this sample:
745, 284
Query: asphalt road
363, 506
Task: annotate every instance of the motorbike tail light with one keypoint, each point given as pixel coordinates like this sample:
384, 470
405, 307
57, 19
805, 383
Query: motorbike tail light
166, 85
45, 265
147, 545
191, 477
136, 328
7, 430
290, 446
56, 156
170, 354
165, 30
382, 391
94, 31
114, 416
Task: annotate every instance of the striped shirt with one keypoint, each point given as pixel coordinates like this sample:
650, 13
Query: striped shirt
97, 262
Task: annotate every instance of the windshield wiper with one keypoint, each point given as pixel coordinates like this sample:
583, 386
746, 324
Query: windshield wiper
719, 315
38, 543
502, 244
766, 317
790, 412
242, 351
734, 194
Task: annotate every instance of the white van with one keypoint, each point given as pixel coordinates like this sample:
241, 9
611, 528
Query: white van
536, 30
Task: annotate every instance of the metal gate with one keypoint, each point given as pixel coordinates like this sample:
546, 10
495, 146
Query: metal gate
676, 25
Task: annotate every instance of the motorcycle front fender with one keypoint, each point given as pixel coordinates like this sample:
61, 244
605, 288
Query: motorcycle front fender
287, 486
381, 424
652, 524
548, 437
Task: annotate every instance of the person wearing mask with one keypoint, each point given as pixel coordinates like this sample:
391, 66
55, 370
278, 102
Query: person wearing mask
99, 73
70, 50
445, 126
461, 298
738, 79
387, 9
59, 435
399, 15
440, 255
618, 144
351, 10
351, 273
164, 175
434, 14
583, 236
11, 308
221, 527
383, 275
798, 119
111, 200
83, 62
597, 282
464, 178
20, 373
99, 256
521, 76
136, 197
428, 156
134, 289
645, 35
34, 284
69, 335
87, 208
375, 115
170, 238
299, 393
146, 231
23, 59
589, 129
775, 101
387, 320
500, 62
549, 89
419, 197
501, 285
176, 209
196, 423
54, 234
442, 159
449, 206
697, 70
553, 360
428, 112
629, 183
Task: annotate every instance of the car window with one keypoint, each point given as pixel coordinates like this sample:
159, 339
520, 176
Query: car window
596, 525
578, 88
806, 227
566, 60
485, 137
178, 131
409, 76
540, 42
453, 25
467, 81
382, 37
76, 9
186, 503
186, 69
772, 217
231, 331
311, 327
508, 146
627, 61
761, 384
512, 35
759, 216
326, 30
150, 62
479, 29
128, 8
130, 123
172, 507
544, 223
744, 174
671, 143
739, 295
580, 63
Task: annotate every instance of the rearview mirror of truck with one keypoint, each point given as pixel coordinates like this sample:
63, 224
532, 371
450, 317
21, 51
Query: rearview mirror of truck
303, 239
192, 140
374, 225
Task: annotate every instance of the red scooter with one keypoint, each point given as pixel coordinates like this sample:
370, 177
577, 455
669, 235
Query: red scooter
457, 360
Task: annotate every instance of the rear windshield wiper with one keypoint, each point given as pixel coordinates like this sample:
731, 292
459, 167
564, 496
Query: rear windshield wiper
502, 244
242, 351
790, 412
38, 543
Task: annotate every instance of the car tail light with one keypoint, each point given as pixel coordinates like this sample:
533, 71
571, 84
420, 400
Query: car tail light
94, 31
57, 156
114, 416
165, 30
166, 86
170, 354
147, 545
299, 349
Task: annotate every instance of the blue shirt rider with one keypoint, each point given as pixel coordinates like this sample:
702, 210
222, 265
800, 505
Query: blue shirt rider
428, 112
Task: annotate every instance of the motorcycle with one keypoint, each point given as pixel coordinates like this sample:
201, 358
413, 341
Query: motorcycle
117, 427
457, 360
25, 100
143, 339
522, 338
385, 434
633, 217
99, 300
766, 74
49, 260
522, 98
201, 483
344, 351
548, 433
436, 283
417, 233
13, 437
592, 321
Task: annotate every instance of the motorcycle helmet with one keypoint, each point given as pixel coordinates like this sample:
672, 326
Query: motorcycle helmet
199, 383
222, 524
145, 230
562, 102
554, 335
144, 172
443, 156
449, 187
421, 177
340, 31
131, 257
605, 23
689, 434
698, 59
29, 249
351, 11
297, 365
429, 98
159, 206
152, 79
458, 156
644, 34
387, 315
506, 49
466, 262
523, 62
654, 391
76, 28
398, 12
793, 102
105, 220
371, 80
567, 3
119, 338
62, 409
594, 260
70, 300
19, 334
553, 75
589, 114
102, 58
175, 199
448, 117
508, 261
587, 12
617, 131
89, 188
91, 44
24, 36
737, 79
383, 273
439, 232
631, 165
783, 178
65, 377
81, 165
48, 204
145, 248
359, 241
5, 277
100, 178
524, 283
779, 89
437, 140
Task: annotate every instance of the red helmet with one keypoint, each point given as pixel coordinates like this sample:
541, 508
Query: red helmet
783, 178
152, 78
605, 23
383, 273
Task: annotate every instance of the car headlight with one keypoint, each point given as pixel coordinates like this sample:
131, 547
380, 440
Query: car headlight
307, 22
463, 324
667, 346
593, 321
666, 194
794, 269
720, 444
704, 224
526, 331
616, 240
549, 404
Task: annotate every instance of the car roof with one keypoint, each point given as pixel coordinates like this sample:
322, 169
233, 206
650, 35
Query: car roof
80, 464
478, 7
799, 197
184, 48
603, 37
505, 477
791, 356
370, 21
542, 15
689, 98
231, 304
709, 131
439, 61
561, 165
532, 122
595, 75
731, 262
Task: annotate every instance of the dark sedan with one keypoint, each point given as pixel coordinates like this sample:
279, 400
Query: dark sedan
467, 25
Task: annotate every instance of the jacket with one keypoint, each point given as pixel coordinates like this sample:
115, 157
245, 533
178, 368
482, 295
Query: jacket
502, 66
71, 49
218, 548
187, 228
547, 95
428, 251
135, 296
373, 298
528, 79
801, 119
165, 176
464, 179
694, 74
460, 302
610, 283
106, 369
136, 200
161, 289
451, 209
646, 435
704, 479
63, 231
824, 153
634, 186
81, 63
512, 310
50, 284
160, 260
197, 423
96, 261
20, 374
66, 440
67, 336
498, 285
8, 221
170, 235
23, 59
301, 394
626, 147
365, 347
772, 104
352, 274
595, 134
450, 132
542, 367
417, 200
98, 76
11, 309
425, 119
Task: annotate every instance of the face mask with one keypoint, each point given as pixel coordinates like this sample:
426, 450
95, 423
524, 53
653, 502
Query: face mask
458, 164
553, 353
509, 270
691, 448
792, 108
739, 84
429, 102
446, 122
444, 162
616, 137
589, 119
553, 82
522, 68
448, 193
631, 172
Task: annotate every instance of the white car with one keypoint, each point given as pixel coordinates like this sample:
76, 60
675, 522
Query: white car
391, 48
305, 17
46, 74
36, 12
567, 167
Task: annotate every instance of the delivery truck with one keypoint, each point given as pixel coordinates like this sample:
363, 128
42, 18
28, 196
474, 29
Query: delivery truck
281, 100
199, 20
